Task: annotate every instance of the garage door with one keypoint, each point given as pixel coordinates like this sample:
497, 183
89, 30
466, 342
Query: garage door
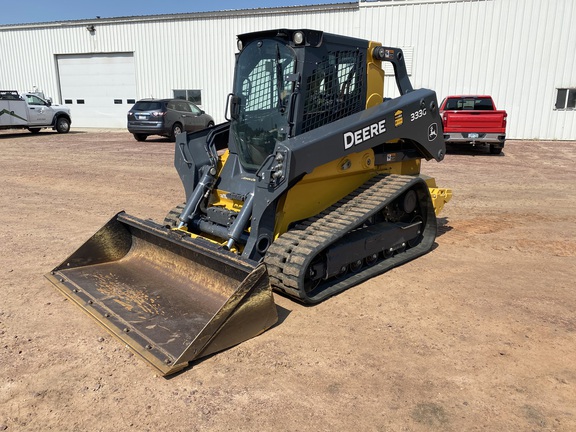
99, 88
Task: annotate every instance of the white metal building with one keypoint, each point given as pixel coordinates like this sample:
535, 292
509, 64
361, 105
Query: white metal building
522, 52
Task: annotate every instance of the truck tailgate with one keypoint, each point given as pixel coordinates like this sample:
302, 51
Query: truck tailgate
475, 121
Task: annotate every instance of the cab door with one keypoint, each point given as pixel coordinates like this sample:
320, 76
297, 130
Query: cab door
40, 112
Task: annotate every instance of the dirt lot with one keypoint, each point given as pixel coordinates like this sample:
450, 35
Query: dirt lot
479, 334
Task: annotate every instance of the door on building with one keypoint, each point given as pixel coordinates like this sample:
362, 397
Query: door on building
99, 88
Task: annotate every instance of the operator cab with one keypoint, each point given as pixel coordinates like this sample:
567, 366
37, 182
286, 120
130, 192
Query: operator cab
288, 82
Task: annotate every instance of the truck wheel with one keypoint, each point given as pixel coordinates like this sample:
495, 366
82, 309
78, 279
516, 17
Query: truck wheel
140, 137
495, 150
176, 129
62, 125
34, 130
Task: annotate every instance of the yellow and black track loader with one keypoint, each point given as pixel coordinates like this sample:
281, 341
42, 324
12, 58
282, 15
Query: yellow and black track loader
311, 186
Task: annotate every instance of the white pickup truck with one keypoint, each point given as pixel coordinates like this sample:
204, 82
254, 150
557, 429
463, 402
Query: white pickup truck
29, 111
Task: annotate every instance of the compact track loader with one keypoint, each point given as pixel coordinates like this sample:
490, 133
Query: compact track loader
312, 186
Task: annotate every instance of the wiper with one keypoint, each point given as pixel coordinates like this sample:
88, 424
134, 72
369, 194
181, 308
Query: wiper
279, 79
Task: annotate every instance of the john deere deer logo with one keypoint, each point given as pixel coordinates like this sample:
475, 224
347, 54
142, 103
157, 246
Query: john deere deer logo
432, 132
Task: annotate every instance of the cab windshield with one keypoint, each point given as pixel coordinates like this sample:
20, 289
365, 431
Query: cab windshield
262, 91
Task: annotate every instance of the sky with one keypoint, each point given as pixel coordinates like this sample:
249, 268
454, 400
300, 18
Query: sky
33, 11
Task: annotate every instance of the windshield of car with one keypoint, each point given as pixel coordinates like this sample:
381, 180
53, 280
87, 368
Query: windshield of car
263, 94
147, 106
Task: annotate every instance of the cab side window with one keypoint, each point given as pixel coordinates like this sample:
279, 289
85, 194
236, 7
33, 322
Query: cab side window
33, 100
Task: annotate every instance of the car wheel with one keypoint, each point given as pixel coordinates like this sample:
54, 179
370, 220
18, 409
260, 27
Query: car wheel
34, 130
62, 125
210, 124
140, 137
176, 129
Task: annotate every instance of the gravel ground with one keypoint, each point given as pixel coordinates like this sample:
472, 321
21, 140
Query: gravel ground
479, 334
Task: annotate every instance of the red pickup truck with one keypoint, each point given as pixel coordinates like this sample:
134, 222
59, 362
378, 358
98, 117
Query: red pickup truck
473, 120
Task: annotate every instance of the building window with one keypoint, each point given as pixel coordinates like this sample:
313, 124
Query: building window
565, 99
194, 96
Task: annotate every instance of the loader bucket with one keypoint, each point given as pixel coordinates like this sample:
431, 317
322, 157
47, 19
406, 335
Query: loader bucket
171, 298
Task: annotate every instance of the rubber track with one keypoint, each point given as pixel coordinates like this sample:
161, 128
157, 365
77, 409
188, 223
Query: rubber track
290, 255
171, 218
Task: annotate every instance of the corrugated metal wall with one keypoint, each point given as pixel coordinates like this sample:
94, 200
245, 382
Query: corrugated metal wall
520, 51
